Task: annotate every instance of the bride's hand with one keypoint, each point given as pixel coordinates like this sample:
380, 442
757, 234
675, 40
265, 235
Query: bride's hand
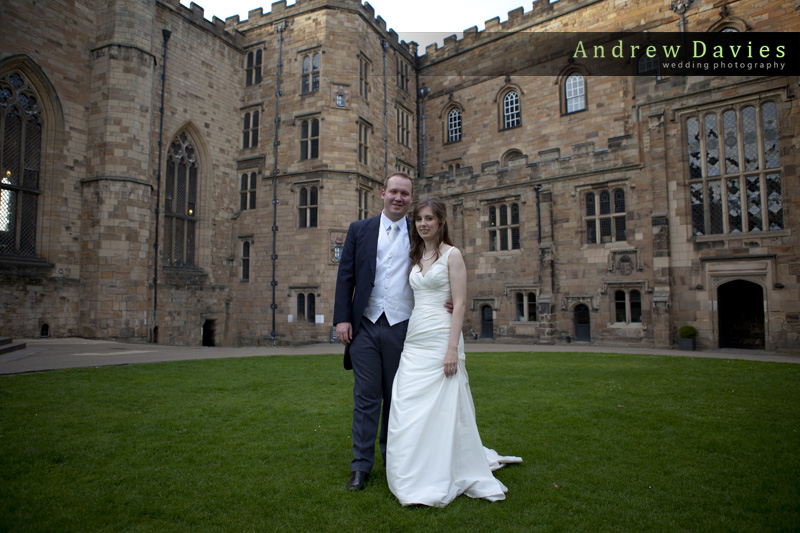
450, 363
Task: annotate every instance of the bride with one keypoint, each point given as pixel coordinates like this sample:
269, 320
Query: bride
434, 451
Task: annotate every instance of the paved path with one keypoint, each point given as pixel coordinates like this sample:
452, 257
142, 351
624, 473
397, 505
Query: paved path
54, 354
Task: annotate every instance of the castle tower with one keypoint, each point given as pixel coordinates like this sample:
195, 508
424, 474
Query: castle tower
117, 190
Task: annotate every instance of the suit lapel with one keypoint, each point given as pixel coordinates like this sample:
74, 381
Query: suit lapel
371, 243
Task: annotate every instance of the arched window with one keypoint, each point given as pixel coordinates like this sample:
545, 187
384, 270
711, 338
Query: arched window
180, 203
627, 306
649, 66
311, 73
306, 307
20, 162
309, 139
301, 305
575, 93
454, 125
307, 207
511, 110
253, 68
247, 192
250, 130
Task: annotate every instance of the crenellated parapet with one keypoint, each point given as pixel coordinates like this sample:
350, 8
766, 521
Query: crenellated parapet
542, 12
618, 155
196, 15
281, 11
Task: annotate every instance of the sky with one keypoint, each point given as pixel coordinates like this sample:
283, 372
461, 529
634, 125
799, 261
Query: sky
423, 21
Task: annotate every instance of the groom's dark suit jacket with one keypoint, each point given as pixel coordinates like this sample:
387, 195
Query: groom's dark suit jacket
356, 276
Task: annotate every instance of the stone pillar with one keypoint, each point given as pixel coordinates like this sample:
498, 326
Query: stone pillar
116, 210
548, 320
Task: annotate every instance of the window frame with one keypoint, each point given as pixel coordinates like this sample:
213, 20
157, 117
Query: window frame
599, 224
247, 190
308, 205
525, 303
364, 66
404, 125
20, 199
310, 69
569, 98
250, 127
454, 125
253, 64
625, 306
309, 143
749, 176
364, 132
504, 233
180, 247
510, 113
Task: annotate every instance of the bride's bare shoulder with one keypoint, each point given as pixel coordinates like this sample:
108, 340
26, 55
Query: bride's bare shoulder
455, 253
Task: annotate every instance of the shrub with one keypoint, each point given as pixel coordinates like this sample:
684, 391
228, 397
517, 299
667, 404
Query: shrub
687, 332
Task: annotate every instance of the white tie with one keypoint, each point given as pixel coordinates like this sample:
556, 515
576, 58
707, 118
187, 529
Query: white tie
393, 229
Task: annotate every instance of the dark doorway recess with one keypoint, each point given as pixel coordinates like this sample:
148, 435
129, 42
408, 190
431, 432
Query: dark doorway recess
487, 322
209, 329
583, 324
741, 315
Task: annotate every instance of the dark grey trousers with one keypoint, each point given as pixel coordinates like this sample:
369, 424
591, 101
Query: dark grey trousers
375, 353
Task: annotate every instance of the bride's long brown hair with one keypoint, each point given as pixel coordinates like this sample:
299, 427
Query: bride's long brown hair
442, 234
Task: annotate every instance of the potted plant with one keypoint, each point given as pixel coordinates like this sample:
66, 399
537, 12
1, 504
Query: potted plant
687, 336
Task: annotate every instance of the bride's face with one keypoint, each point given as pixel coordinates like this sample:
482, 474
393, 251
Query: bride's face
426, 223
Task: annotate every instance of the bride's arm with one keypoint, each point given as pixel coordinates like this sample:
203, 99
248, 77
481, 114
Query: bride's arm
458, 289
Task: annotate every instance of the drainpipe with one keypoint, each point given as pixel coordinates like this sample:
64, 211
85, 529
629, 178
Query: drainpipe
422, 161
279, 27
385, 46
166, 35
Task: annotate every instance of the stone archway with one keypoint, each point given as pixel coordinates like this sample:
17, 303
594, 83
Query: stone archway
741, 315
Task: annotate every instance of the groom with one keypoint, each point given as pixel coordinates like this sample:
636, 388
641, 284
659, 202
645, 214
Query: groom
371, 312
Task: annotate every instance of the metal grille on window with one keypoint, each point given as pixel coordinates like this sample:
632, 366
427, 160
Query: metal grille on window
21, 125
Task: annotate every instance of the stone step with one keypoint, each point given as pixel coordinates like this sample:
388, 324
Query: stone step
11, 346
6, 340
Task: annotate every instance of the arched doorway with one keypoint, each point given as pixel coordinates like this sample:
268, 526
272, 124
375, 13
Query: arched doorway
487, 322
741, 315
583, 323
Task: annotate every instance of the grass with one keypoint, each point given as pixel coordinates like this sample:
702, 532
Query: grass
610, 443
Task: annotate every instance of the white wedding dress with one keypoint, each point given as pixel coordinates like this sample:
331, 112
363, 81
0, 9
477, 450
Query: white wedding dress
434, 451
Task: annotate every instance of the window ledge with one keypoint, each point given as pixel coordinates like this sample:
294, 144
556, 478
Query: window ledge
740, 236
24, 262
627, 325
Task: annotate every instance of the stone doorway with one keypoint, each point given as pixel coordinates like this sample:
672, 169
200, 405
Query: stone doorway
487, 322
741, 315
583, 324
209, 330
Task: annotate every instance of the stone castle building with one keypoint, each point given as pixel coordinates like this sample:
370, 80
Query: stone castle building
189, 181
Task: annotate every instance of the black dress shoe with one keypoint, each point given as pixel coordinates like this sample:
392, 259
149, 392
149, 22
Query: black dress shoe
358, 480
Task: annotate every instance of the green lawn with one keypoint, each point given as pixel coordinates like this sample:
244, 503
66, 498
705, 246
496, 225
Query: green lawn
610, 443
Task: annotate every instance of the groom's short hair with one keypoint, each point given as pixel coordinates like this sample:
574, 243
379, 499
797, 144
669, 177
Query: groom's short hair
401, 175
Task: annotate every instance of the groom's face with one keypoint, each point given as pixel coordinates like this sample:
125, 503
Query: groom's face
397, 197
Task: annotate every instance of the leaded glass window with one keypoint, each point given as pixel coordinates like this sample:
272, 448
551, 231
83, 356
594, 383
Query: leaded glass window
180, 203
743, 194
20, 163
